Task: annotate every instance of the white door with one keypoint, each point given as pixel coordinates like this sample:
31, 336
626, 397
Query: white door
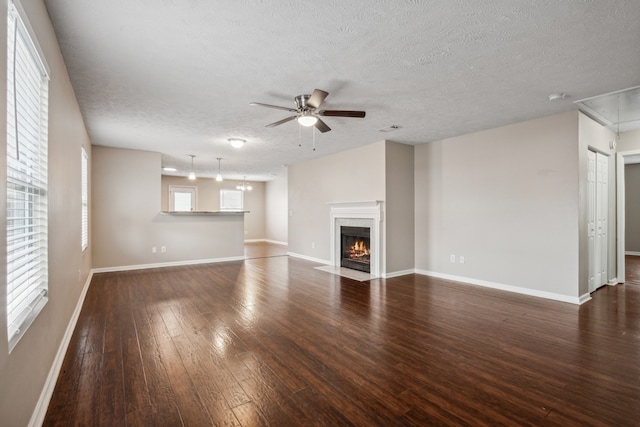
591, 219
597, 218
602, 217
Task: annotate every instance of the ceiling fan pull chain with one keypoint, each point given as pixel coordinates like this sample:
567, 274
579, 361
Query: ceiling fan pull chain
313, 130
299, 135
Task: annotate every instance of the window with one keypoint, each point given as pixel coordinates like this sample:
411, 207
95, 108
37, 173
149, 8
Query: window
27, 134
84, 161
230, 200
182, 198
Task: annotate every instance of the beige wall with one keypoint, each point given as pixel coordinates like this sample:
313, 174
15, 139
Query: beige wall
209, 200
314, 183
507, 200
632, 208
127, 221
629, 141
276, 210
381, 171
23, 372
400, 212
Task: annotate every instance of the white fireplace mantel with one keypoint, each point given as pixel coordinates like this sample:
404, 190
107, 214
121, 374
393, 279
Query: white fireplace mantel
363, 214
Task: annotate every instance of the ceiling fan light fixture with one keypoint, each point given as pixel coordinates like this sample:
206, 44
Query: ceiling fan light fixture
236, 142
307, 119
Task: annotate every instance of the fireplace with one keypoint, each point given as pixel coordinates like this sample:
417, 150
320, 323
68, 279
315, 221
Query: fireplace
355, 244
365, 214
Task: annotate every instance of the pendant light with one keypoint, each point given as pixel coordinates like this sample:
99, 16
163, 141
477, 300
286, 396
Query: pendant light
219, 175
192, 174
244, 186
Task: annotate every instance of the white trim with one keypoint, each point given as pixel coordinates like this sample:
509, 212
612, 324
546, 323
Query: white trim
166, 264
613, 282
275, 242
509, 288
309, 258
37, 417
632, 253
399, 273
366, 210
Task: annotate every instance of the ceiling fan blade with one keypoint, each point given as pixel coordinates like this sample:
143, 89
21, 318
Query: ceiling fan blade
277, 107
322, 126
316, 98
342, 113
279, 122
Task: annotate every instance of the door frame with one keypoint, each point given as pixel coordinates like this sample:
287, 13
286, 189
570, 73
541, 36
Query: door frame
620, 210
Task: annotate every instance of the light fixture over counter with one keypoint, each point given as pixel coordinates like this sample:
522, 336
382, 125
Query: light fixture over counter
219, 175
192, 173
245, 186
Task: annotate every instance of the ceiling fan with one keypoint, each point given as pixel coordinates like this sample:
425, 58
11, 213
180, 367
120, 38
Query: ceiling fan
307, 112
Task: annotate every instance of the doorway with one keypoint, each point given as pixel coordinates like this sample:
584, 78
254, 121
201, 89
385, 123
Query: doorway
622, 158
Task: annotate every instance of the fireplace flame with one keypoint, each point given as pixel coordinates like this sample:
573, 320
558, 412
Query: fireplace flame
359, 250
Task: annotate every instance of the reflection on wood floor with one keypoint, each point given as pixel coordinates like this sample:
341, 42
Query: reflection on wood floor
263, 250
273, 341
632, 269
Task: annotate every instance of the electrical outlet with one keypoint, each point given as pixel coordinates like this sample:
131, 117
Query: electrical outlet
153, 250
163, 249
452, 258
313, 245
461, 259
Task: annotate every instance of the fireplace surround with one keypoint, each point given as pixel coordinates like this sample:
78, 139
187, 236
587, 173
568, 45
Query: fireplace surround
365, 214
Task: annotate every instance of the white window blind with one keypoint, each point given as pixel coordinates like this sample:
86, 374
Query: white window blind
84, 161
230, 200
27, 134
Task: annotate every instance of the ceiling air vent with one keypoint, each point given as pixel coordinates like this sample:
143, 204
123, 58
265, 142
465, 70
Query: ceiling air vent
390, 128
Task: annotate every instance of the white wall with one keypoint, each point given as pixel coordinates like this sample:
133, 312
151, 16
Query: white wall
507, 200
276, 210
127, 221
209, 200
23, 372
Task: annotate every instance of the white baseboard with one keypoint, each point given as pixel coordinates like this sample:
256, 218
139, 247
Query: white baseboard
398, 273
509, 288
308, 258
166, 264
275, 242
613, 282
632, 253
37, 418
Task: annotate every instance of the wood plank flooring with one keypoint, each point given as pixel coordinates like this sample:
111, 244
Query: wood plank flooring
272, 341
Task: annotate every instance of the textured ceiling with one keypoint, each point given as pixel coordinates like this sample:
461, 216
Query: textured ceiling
177, 76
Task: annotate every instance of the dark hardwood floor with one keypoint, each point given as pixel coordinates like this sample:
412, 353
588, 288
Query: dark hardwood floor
272, 341
632, 269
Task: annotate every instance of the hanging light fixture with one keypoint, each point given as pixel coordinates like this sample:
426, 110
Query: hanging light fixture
219, 175
244, 186
236, 142
307, 119
192, 174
